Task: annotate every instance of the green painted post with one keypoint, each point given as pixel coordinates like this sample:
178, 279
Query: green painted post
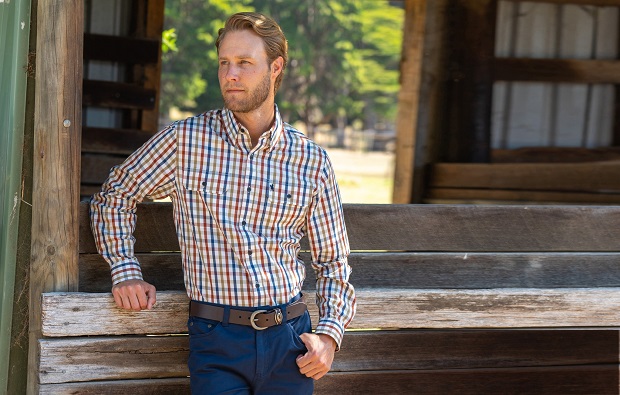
14, 35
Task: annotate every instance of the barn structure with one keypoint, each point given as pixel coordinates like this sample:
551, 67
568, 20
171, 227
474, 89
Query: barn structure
510, 106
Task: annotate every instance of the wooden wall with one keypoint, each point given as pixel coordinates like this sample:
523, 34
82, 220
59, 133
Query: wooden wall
122, 63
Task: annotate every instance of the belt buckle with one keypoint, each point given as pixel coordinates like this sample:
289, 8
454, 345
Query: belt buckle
277, 318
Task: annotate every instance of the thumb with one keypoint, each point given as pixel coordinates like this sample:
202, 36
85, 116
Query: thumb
151, 298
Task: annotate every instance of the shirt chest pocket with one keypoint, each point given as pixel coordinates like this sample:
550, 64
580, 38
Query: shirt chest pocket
281, 194
210, 186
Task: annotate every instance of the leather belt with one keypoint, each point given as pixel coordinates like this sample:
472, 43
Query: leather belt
257, 319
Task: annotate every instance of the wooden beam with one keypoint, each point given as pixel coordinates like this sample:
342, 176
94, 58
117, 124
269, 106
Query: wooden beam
407, 270
507, 196
56, 173
121, 49
177, 386
84, 314
113, 141
409, 98
122, 358
151, 73
557, 70
429, 228
598, 3
473, 46
600, 177
118, 95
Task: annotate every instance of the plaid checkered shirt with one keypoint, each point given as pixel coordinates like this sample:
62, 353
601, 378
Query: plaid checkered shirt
240, 212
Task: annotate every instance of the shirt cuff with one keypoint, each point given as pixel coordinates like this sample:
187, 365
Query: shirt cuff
126, 271
332, 328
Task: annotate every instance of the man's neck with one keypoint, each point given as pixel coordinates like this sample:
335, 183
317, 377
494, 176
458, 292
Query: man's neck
258, 121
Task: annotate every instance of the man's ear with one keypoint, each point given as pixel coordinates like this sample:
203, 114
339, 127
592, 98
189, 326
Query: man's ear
276, 66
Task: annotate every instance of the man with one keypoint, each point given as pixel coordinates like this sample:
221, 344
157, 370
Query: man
245, 188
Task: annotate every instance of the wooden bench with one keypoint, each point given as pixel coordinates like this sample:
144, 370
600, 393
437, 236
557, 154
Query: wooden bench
451, 299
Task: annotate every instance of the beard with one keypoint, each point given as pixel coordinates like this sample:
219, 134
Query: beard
256, 97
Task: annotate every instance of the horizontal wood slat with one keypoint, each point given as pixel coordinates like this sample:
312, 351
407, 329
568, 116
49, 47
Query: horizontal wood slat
503, 196
96, 167
122, 358
540, 381
555, 155
557, 70
177, 386
90, 314
603, 177
600, 380
408, 270
121, 49
113, 141
118, 95
599, 3
429, 228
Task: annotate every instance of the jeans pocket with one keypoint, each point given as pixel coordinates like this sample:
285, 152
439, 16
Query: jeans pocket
199, 328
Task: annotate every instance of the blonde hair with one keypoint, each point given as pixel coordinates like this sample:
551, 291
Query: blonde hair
266, 28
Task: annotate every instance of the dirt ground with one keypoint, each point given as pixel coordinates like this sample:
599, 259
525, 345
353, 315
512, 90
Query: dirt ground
363, 177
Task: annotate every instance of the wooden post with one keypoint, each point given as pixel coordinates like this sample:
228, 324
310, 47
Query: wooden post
473, 44
56, 162
409, 98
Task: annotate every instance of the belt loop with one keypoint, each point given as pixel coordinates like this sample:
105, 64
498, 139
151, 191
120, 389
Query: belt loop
226, 316
283, 310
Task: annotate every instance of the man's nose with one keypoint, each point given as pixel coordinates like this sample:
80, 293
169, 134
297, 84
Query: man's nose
232, 73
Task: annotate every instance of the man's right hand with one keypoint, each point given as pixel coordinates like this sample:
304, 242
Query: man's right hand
134, 295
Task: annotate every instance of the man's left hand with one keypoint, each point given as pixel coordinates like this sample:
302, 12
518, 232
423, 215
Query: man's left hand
318, 360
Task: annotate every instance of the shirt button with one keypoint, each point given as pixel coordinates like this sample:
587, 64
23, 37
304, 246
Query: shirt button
257, 285
288, 195
243, 223
204, 184
249, 252
249, 189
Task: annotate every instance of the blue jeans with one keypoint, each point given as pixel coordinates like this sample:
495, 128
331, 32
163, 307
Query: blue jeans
237, 359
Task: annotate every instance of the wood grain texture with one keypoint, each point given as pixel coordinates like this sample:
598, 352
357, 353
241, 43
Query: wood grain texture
557, 70
408, 270
90, 314
583, 380
411, 64
571, 177
122, 358
56, 163
458, 228
113, 141
118, 95
508, 196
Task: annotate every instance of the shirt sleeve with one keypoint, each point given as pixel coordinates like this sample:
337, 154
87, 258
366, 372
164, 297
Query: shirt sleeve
148, 172
329, 247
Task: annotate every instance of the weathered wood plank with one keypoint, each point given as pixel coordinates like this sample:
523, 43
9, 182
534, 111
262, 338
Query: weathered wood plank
121, 49
601, 380
122, 358
599, 3
75, 314
176, 386
429, 228
492, 196
557, 70
472, 45
584, 380
56, 163
118, 95
113, 141
409, 98
96, 167
571, 177
408, 270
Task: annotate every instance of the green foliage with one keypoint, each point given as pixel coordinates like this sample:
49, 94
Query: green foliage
343, 57
169, 41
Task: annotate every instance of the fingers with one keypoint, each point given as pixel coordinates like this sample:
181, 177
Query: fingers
134, 295
318, 360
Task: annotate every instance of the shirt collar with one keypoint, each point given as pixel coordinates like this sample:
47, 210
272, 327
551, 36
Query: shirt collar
233, 128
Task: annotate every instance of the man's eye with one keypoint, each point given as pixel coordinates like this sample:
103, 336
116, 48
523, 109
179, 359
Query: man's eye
223, 62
